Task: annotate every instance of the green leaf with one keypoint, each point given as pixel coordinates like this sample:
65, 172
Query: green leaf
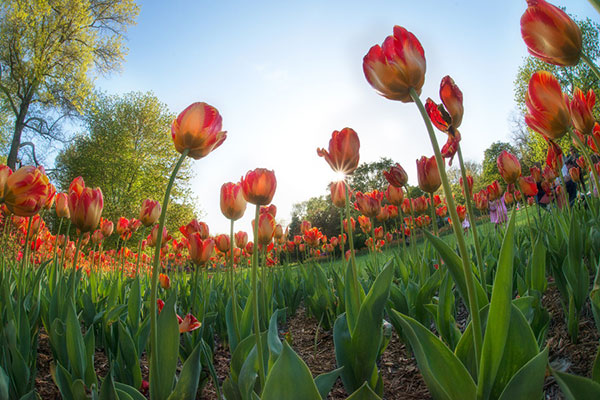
4, 385
577, 387
75, 345
130, 356
596, 367
446, 377
326, 381
290, 379
273, 341
134, 303
528, 382
164, 364
364, 393
187, 385
538, 267
499, 315
131, 391
107, 391
344, 352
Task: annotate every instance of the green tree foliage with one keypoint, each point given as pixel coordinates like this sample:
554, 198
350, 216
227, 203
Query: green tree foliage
369, 176
531, 146
490, 167
473, 169
129, 154
49, 54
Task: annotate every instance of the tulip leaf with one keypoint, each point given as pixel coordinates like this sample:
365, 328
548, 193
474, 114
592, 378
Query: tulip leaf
528, 382
364, 393
131, 391
446, 377
4, 384
134, 303
232, 336
273, 341
538, 267
75, 345
187, 385
499, 315
326, 381
108, 391
344, 352
130, 356
596, 367
577, 387
290, 379
164, 363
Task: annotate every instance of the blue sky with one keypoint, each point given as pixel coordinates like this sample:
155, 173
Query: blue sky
284, 75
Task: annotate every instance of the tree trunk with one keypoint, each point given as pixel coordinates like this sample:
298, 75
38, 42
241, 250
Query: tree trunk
16, 140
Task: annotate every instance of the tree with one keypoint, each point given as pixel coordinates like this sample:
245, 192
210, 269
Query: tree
129, 154
369, 176
49, 54
490, 166
531, 146
473, 169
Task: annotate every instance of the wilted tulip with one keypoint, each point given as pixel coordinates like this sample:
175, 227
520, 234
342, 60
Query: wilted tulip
528, 186
26, 190
222, 243
198, 129
394, 195
397, 66
233, 204
396, 176
428, 174
258, 186
338, 193
188, 323
550, 34
150, 212
200, 250
241, 239
509, 167
547, 106
582, 106
369, 204
343, 154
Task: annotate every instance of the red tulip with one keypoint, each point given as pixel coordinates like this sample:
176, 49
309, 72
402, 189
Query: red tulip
271, 209
481, 200
441, 211
582, 106
547, 106
258, 186
200, 250
249, 248
97, 237
352, 224
531, 201
107, 227
198, 129
312, 237
575, 174
508, 166
428, 174
369, 203
536, 174
528, 185
85, 206
420, 204
26, 190
394, 195
365, 223
494, 191
550, 34
397, 66
378, 233
383, 214
554, 158
222, 243
517, 195
188, 323
405, 206
343, 154
62, 205
548, 174
396, 176
392, 211
164, 280
195, 227
266, 228
122, 226
51, 195
595, 135
338, 193
153, 237
462, 212
134, 225
233, 204
241, 239
150, 212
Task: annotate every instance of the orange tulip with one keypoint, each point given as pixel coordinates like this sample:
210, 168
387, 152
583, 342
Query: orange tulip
469, 181
241, 239
378, 233
508, 198
258, 186
164, 280
233, 204
62, 205
441, 211
195, 227
266, 228
150, 212
222, 243
26, 190
447, 116
5, 172
575, 174
397, 66
396, 176
535, 173
271, 209
278, 234
352, 224
394, 195
547, 106
462, 212
383, 215
51, 195
122, 226
200, 250
554, 158
107, 227
494, 191
405, 206
97, 237
198, 129
595, 135
528, 185
188, 323
343, 154
153, 237
508, 166
481, 200
392, 211
550, 34
582, 114
85, 206
364, 223
428, 174
369, 203
338, 193
420, 204
304, 226
312, 237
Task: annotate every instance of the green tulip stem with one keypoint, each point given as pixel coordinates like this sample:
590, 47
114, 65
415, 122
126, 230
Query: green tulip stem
139, 252
355, 299
471, 212
342, 233
259, 347
64, 251
432, 212
462, 246
526, 206
584, 56
74, 268
56, 240
155, 268
234, 305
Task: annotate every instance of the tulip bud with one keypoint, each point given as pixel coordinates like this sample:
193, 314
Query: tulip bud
150, 212
582, 114
338, 193
397, 66
508, 198
575, 174
509, 167
428, 174
278, 234
62, 205
233, 204
107, 227
198, 129
547, 106
396, 176
249, 248
258, 186
550, 34
343, 154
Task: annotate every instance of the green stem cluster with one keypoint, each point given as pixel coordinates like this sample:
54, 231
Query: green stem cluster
255, 251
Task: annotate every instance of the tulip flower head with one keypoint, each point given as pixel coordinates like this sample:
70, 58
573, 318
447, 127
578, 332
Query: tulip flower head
365, 224
25, 191
554, 158
258, 186
535, 173
528, 186
62, 205
150, 212
222, 243
233, 204
198, 129
447, 116
394, 195
5, 172
396, 66
106, 227
85, 205
241, 239
266, 228
509, 167
547, 106
200, 249
575, 174
462, 212
428, 174
582, 114
338, 193
343, 154
396, 176
369, 204
550, 34
494, 191
195, 227
164, 280
304, 226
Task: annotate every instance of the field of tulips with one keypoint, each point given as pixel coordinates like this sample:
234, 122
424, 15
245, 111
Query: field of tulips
497, 298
